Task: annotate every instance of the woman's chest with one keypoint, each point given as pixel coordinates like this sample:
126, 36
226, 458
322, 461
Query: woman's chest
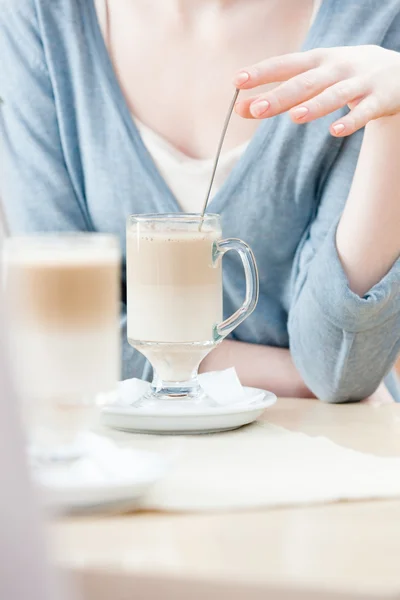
175, 71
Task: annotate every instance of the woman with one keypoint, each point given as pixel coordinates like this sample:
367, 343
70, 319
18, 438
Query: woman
114, 108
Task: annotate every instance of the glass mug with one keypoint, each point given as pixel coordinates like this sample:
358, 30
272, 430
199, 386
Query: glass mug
175, 298
63, 302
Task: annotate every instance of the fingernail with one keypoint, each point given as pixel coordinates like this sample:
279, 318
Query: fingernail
259, 107
241, 78
338, 128
300, 112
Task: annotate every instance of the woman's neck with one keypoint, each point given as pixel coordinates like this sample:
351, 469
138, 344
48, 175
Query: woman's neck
194, 6
192, 12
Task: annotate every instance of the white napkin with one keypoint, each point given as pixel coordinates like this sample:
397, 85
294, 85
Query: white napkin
264, 465
130, 390
223, 387
103, 462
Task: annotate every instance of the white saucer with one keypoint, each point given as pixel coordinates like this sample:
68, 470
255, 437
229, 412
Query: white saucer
184, 421
115, 478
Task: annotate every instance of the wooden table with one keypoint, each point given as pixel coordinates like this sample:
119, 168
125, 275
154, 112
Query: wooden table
345, 550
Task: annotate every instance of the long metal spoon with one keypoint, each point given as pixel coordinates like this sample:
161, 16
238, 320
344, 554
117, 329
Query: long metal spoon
221, 143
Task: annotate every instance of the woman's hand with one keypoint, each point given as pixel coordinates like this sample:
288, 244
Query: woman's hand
318, 82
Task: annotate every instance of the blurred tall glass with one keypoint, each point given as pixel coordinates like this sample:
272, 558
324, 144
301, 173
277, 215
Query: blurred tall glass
63, 303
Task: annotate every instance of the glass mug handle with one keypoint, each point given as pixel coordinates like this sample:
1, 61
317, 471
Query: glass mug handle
252, 285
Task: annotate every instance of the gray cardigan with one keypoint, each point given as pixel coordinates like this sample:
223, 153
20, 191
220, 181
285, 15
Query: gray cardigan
74, 160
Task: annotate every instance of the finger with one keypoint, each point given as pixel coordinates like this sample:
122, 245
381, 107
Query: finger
333, 98
242, 107
289, 94
364, 112
278, 68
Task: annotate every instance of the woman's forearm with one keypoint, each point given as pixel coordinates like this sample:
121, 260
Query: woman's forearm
258, 366
318, 82
368, 235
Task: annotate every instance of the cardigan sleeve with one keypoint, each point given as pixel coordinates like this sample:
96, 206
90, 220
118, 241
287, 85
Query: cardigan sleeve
343, 345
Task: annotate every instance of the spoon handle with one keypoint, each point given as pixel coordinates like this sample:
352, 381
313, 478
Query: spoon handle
221, 142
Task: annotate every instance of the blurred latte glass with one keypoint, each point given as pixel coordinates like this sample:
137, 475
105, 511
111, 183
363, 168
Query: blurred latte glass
63, 304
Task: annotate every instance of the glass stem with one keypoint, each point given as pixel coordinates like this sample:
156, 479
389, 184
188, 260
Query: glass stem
167, 390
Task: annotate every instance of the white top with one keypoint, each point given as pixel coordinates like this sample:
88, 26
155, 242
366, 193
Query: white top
188, 178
